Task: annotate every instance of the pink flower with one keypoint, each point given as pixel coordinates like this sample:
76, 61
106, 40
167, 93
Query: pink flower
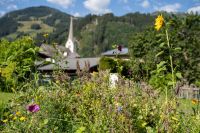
33, 108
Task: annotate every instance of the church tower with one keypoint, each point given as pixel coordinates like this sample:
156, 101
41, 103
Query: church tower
70, 42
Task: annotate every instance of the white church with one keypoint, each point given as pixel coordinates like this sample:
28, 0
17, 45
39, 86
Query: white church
64, 57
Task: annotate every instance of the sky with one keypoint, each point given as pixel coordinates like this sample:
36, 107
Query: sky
118, 7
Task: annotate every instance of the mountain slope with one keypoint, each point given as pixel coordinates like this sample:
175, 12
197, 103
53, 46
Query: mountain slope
94, 34
17, 23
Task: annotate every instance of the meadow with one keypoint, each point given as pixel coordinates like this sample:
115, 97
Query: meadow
144, 99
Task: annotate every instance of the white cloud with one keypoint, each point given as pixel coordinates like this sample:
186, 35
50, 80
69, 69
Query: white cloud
12, 7
63, 3
97, 6
145, 4
77, 14
194, 9
124, 1
169, 8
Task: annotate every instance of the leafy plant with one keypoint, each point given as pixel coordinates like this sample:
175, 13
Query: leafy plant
16, 62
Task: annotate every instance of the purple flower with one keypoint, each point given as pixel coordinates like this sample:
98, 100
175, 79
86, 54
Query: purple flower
119, 108
33, 108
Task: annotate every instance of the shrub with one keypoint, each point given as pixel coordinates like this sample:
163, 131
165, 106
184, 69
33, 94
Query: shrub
35, 26
16, 62
116, 65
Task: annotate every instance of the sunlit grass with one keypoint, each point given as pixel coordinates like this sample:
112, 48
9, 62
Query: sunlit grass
5, 97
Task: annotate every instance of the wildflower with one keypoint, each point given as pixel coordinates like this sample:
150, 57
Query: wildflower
194, 101
159, 22
22, 118
33, 108
18, 113
14, 118
119, 108
4, 121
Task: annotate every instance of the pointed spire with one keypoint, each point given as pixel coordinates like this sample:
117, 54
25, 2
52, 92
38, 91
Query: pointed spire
71, 29
70, 42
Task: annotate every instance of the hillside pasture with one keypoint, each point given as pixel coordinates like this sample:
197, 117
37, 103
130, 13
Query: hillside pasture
26, 27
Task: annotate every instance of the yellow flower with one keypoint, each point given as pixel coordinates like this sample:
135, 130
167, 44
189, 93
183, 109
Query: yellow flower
194, 101
6, 120
159, 22
22, 118
14, 118
18, 113
11, 115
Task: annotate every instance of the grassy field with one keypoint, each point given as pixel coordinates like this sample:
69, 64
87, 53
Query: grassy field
27, 27
5, 97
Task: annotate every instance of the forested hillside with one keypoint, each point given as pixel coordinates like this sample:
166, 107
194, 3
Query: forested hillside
93, 33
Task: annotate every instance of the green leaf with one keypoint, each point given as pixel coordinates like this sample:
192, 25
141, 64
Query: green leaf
179, 75
170, 83
160, 53
46, 121
80, 130
161, 64
162, 44
177, 49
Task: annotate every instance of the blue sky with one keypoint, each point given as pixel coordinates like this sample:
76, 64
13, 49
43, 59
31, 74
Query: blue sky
118, 7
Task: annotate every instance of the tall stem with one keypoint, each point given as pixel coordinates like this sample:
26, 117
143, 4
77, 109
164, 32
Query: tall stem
170, 58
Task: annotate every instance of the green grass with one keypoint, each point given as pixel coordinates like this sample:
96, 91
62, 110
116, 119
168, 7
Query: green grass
186, 105
5, 97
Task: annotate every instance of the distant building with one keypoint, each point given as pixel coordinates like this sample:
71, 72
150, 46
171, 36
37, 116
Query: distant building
189, 92
122, 53
64, 57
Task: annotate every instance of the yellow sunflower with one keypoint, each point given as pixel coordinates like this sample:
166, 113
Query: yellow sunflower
194, 101
159, 22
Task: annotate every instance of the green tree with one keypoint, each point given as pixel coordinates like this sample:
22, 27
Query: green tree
148, 48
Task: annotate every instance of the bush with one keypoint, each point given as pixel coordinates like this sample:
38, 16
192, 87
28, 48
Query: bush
107, 63
16, 62
116, 65
35, 26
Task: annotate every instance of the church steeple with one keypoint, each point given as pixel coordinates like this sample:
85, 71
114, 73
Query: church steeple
71, 30
70, 42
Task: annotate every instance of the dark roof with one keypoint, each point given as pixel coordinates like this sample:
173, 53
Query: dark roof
114, 52
71, 64
52, 51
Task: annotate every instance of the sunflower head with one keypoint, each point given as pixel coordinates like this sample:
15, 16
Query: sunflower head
194, 101
159, 22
